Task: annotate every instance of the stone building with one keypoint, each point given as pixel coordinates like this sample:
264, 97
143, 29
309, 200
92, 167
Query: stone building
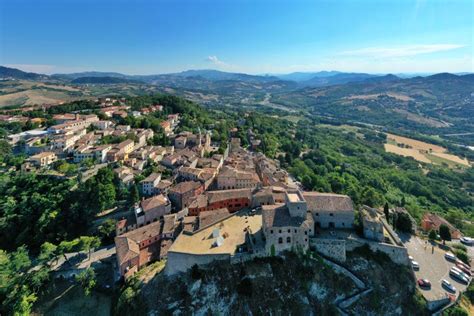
183, 193
330, 210
150, 183
287, 226
372, 224
152, 209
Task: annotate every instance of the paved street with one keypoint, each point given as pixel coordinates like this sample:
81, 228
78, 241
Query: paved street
433, 266
97, 255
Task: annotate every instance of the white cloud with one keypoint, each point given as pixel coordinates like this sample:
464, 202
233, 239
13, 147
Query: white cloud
400, 51
216, 61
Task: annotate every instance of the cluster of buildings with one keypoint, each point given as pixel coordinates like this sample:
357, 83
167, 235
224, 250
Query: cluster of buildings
206, 204
79, 137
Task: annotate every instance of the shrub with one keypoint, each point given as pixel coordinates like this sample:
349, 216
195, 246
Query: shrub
460, 247
462, 255
432, 235
245, 287
455, 311
196, 273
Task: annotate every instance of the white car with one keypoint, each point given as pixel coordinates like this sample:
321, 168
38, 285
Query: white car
455, 274
467, 241
464, 275
447, 285
450, 256
410, 257
415, 265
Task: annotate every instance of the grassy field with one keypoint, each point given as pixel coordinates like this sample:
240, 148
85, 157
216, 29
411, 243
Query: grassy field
31, 93
422, 151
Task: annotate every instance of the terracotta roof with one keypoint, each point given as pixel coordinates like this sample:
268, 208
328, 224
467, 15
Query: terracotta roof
169, 223
207, 218
278, 216
126, 249
328, 202
185, 186
221, 195
152, 177
199, 201
438, 221
42, 155
155, 201
164, 184
140, 234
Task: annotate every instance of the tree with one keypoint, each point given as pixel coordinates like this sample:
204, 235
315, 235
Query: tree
386, 211
48, 253
403, 223
87, 243
87, 280
272, 251
444, 233
107, 231
432, 235
134, 195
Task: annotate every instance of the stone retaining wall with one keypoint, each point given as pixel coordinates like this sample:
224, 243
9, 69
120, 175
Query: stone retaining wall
331, 248
396, 253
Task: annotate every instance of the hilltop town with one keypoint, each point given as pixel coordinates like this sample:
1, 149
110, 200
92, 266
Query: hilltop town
196, 202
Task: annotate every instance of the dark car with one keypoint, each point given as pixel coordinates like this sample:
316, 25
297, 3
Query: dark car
424, 283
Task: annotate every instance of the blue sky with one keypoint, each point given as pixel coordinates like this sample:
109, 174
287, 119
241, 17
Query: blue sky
147, 37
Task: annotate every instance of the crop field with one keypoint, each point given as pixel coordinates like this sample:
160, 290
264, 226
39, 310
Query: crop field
422, 151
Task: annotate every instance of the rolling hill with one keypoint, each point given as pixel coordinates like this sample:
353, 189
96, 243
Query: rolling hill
12, 73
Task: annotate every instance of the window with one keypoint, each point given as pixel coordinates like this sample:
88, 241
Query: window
280, 240
271, 231
296, 231
317, 214
279, 231
306, 239
289, 230
306, 232
288, 239
331, 214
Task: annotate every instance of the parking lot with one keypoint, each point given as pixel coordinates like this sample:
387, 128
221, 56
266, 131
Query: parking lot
433, 266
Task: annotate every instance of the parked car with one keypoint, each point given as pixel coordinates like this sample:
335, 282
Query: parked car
447, 285
467, 241
463, 264
460, 272
450, 256
424, 283
463, 269
410, 257
455, 274
415, 265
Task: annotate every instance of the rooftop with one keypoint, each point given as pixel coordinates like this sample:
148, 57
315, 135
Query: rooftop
153, 202
151, 178
186, 186
328, 202
216, 196
278, 216
233, 228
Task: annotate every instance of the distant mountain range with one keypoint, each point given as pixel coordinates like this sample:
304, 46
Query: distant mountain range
188, 77
6, 72
103, 80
